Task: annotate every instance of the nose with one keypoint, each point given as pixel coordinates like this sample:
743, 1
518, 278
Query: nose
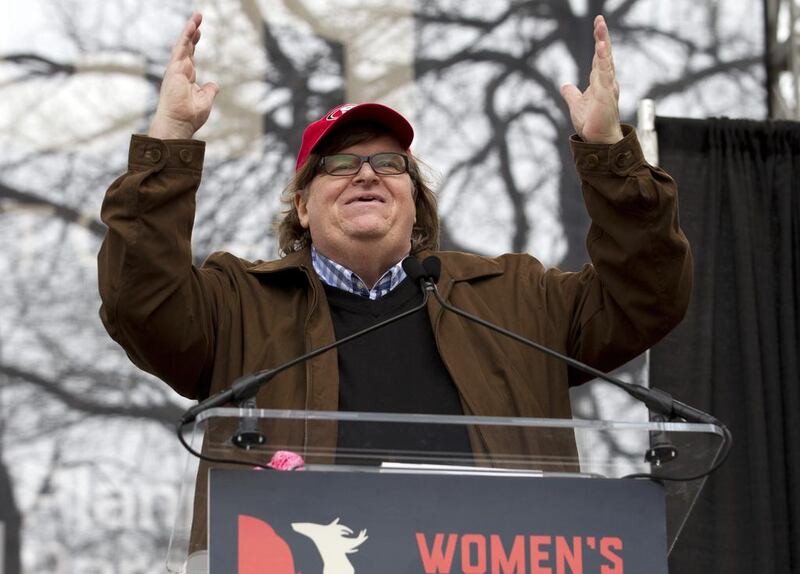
365, 174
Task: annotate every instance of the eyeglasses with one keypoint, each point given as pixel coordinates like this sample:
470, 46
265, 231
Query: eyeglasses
384, 163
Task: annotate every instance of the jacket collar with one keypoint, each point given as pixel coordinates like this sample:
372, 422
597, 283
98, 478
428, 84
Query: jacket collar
295, 260
456, 266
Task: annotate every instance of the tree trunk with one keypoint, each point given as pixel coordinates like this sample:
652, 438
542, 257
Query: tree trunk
12, 522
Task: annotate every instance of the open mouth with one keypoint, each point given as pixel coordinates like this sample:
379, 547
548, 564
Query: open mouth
366, 198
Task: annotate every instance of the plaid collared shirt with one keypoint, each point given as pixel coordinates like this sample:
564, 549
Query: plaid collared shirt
335, 275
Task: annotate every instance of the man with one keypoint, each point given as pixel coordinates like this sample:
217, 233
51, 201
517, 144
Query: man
357, 206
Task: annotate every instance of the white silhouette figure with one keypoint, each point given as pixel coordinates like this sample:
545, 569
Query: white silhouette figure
332, 544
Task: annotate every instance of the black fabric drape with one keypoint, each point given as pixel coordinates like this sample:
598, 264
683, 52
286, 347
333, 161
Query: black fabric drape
736, 353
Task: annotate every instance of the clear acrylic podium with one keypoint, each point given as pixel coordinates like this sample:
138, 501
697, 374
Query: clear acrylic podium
538, 448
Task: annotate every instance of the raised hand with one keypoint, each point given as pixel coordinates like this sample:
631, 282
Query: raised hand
183, 105
595, 112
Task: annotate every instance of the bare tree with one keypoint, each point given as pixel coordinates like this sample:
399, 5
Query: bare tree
481, 82
496, 73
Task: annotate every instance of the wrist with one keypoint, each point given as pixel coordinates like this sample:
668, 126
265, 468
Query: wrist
611, 138
167, 129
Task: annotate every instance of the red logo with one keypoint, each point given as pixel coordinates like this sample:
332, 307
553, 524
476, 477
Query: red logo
339, 112
262, 550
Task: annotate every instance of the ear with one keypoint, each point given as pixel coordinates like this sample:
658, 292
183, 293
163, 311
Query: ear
301, 207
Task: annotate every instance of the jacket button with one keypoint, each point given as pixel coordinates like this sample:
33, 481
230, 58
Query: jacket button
623, 159
153, 155
186, 155
591, 161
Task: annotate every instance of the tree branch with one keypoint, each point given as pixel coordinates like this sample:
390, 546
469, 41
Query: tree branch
166, 414
37, 65
65, 212
691, 79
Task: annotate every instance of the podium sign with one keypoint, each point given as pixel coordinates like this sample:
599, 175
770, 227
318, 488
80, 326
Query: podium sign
521, 503
380, 522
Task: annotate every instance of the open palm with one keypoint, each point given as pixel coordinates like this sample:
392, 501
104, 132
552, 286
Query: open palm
183, 105
595, 111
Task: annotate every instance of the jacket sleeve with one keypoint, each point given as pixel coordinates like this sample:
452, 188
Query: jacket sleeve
155, 303
638, 286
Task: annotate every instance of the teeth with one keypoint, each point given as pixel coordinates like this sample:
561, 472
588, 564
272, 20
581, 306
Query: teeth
366, 198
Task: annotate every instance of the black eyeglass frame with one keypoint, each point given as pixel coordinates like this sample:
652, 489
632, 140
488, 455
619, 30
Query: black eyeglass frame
362, 159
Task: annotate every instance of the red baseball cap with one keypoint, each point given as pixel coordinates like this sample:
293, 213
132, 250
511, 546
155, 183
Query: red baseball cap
345, 114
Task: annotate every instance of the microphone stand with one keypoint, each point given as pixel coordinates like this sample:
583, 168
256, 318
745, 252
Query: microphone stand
244, 389
656, 400
247, 386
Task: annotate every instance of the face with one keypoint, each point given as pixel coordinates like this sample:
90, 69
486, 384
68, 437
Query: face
342, 211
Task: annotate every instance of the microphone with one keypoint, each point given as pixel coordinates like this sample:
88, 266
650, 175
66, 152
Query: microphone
656, 400
433, 267
246, 386
414, 270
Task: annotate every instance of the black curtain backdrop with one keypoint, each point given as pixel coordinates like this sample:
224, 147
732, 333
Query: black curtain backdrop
736, 353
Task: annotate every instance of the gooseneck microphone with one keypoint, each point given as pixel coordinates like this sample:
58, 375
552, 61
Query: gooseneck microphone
427, 275
246, 387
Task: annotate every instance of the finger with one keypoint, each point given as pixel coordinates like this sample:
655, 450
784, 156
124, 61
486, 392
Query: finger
210, 90
600, 28
602, 59
184, 67
599, 80
602, 65
601, 34
602, 73
184, 46
197, 17
195, 40
571, 95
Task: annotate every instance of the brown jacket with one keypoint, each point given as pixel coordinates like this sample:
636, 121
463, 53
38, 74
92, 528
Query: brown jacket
198, 329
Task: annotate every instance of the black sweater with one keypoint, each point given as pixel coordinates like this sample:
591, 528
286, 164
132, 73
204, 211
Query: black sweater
394, 369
